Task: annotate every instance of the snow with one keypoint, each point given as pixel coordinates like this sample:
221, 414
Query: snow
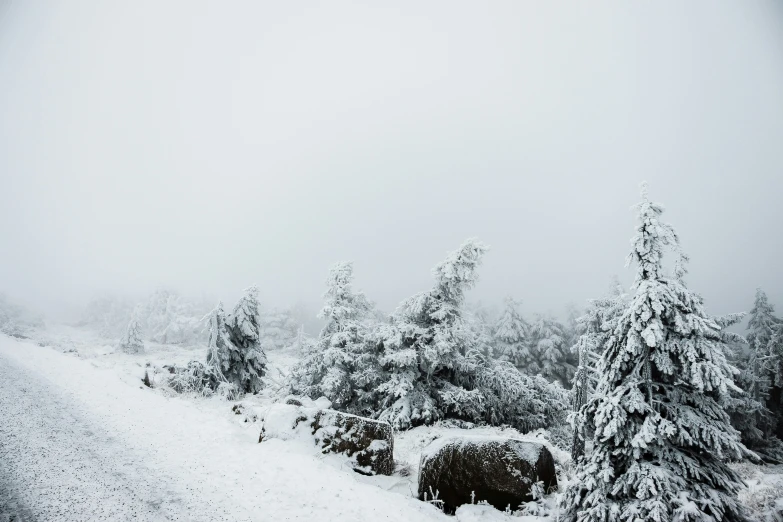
88, 441
186, 458
528, 452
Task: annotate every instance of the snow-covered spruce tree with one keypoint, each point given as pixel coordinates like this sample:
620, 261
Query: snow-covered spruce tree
661, 436
220, 356
428, 353
762, 325
247, 362
747, 410
343, 366
555, 361
479, 323
512, 338
595, 328
132, 341
234, 351
766, 356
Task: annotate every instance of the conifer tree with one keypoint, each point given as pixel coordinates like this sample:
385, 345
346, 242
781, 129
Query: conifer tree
553, 355
512, 338
762, 324
661, 436
342, 366
763, 375
220, 351
248, 363
595, 327
479, 323
234, 347
132, 341
429, 355
748, 411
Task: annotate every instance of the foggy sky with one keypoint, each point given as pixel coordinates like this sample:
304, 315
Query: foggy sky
205, 146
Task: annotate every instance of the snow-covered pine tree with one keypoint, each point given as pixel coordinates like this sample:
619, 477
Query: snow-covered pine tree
478, 320
343, 366
747, 410
247, 361
512, 338
762, 324
661, 436
554, 357
595, 327
428, 348
571, 328
132, 341
220, 351
763, 372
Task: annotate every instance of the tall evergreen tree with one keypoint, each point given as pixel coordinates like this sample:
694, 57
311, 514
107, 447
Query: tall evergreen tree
512, 338
243, 327
553, 354
428, 345
595, 328
748, 411
220, 347
763, 374
132, 341
234, 344
343, 365
661, 437
762, 324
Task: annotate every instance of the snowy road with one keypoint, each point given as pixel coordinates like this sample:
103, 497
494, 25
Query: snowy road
78, 443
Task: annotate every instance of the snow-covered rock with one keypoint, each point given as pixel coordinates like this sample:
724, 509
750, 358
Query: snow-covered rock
368, 443
497, 470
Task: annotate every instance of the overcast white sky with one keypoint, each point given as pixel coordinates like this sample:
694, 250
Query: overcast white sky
210, 145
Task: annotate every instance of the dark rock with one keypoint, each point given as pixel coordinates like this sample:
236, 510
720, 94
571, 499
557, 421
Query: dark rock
369, 442
238, 409
465, 470
293, 401
146, 380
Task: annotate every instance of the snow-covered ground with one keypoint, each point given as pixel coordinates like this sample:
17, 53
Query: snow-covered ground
87, 441
83, 439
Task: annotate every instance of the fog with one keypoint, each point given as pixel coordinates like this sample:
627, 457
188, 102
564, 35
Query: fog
205, 146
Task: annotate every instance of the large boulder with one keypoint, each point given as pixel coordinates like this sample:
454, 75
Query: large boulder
368, 443
500, 471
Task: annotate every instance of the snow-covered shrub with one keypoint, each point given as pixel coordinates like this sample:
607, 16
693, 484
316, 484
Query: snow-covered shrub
661, 437
763, 496
196, 378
